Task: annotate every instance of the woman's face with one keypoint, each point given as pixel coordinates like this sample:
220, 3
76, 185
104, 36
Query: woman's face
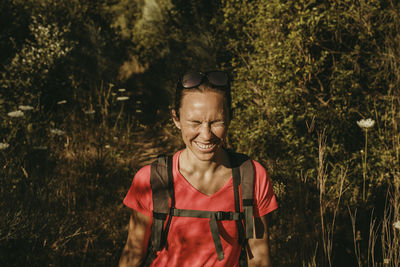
203, 122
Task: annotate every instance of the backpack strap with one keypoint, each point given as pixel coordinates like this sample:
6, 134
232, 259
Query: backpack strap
243, 175
160, 179
247, 182
236, 182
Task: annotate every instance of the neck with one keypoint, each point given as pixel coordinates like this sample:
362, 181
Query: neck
192, 163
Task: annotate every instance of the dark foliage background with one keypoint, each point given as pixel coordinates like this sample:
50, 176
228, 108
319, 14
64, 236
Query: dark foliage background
85, 91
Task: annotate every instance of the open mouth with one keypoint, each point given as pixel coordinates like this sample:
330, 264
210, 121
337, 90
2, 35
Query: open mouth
205, 146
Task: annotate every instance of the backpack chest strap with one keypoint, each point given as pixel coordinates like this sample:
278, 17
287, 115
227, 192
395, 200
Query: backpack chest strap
214, 216
218, 215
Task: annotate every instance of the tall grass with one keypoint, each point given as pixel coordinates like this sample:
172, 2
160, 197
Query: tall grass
326, 219
61, 195
329, 198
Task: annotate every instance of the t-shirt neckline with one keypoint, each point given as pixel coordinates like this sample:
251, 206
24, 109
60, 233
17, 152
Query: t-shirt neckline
187, 184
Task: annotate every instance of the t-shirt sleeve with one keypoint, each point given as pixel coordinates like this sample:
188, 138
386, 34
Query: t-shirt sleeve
139, 196
264, 197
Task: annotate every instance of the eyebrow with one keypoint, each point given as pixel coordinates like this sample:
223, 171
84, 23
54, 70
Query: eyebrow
197, 121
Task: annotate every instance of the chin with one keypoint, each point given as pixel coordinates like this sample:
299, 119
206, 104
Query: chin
206, 155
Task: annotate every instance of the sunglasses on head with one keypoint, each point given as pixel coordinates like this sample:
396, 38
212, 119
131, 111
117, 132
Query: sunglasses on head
194, 79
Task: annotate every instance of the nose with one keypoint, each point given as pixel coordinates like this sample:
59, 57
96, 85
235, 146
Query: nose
205, 131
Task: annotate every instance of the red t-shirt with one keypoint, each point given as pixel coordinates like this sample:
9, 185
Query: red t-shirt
189, 241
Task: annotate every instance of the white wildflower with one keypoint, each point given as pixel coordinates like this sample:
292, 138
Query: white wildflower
15, 114
113, 94
122, 98
4, 146
396, 225
57, 131
24, 108
121, 90
107, 146
90, 111
61, 102
366, 124
138, 111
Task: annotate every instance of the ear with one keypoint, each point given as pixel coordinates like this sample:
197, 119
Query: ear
176, 119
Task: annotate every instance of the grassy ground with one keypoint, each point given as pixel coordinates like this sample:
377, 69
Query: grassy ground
65, 206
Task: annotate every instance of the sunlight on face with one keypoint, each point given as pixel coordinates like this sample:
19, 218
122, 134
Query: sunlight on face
203, 122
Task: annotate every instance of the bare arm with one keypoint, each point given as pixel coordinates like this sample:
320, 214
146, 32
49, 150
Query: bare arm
259, 245
138, 238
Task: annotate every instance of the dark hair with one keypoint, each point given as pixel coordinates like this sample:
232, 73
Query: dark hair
204, 87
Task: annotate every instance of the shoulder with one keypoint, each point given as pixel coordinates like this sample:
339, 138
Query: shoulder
141, 180
264, 197
261, 178
143, 173
259, 169
139, 196
241, 158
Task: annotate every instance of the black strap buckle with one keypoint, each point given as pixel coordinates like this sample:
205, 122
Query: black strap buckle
160, 216
171, 211
223, 215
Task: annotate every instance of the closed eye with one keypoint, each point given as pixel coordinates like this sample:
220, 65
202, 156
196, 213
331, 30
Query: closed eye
218, 123
195, 122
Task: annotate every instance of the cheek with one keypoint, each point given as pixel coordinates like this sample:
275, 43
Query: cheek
220, 131
188, 132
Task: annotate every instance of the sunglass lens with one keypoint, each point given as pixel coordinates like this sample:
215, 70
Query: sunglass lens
191, 80
218, 78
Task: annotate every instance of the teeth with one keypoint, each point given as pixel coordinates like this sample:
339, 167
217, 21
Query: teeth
202, 146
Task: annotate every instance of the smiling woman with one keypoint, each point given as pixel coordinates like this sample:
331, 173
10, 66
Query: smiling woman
203, 123
212, 192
